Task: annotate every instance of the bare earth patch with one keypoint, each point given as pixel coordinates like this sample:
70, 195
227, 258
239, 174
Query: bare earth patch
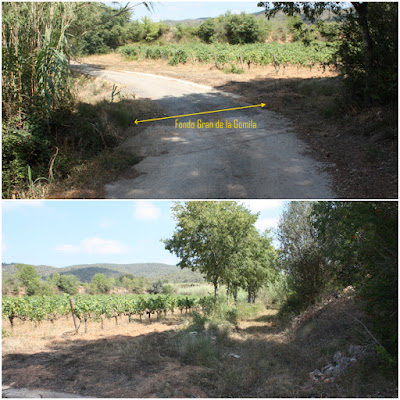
103, 363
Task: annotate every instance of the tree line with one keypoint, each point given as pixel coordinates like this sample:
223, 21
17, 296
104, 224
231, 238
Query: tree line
325, 247
219, 240
27, 280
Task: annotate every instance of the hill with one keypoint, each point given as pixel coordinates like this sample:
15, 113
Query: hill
187, 22
85, 272
279, 17
43, 270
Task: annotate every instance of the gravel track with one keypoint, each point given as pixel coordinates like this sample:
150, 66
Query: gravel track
266, 162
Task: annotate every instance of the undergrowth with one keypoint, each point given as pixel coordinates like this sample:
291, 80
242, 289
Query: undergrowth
75, 150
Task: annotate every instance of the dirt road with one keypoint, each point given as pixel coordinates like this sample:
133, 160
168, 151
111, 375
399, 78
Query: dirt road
263, 162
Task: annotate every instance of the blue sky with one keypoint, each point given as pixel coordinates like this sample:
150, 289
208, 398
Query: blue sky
186, 9
63, 233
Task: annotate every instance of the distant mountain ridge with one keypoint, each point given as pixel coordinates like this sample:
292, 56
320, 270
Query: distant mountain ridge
85, 272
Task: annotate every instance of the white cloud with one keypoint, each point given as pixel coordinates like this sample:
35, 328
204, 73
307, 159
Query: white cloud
94, 246
3, 244
147, 211
262, 205
267, 223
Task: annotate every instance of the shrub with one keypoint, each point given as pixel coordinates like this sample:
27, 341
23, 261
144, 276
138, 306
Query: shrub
198, 350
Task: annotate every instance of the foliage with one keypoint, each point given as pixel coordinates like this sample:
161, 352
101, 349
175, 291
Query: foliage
132, 283
368, 53
9, 284
161, 286
29, 278
185, 33
42, 130
39, 308
301, 257
66, 283
206, 30
219, 240
380, 83
101, 284
275, 292
361, 238
35, 66
243, 28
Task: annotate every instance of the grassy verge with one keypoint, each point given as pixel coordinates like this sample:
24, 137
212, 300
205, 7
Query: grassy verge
257, 354
80, 150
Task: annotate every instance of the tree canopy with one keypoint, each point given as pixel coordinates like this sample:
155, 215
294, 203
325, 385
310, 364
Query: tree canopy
219, 240
369, 42
327, 246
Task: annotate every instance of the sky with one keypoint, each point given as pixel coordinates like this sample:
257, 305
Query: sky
185, 9
62, 233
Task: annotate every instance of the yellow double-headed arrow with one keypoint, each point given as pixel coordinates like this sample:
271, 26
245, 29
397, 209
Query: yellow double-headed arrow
204, 112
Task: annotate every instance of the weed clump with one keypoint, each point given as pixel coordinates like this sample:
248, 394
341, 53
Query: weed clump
233, 69
198, 350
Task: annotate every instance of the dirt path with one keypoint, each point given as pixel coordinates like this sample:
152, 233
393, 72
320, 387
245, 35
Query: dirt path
266, 162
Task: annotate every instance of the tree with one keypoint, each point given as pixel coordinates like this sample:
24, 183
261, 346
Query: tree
259, 266
210, 236
372, 25
67, 283
100, 284
362, 239
301, 257
243, 28
207, 30
9, 284
28, 277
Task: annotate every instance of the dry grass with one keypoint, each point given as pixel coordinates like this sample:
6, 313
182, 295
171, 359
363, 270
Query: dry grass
261, 357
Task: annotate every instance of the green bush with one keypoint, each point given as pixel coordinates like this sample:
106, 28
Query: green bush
198, 321
207, 30
292, 306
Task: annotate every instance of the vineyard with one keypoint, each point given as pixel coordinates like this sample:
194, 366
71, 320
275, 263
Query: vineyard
316, 54
97, 307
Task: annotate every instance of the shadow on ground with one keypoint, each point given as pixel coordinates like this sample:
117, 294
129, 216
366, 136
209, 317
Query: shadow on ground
257, 361
359, 142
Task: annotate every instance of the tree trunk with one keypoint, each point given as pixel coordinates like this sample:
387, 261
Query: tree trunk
215, 289
362, 10
235, 293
